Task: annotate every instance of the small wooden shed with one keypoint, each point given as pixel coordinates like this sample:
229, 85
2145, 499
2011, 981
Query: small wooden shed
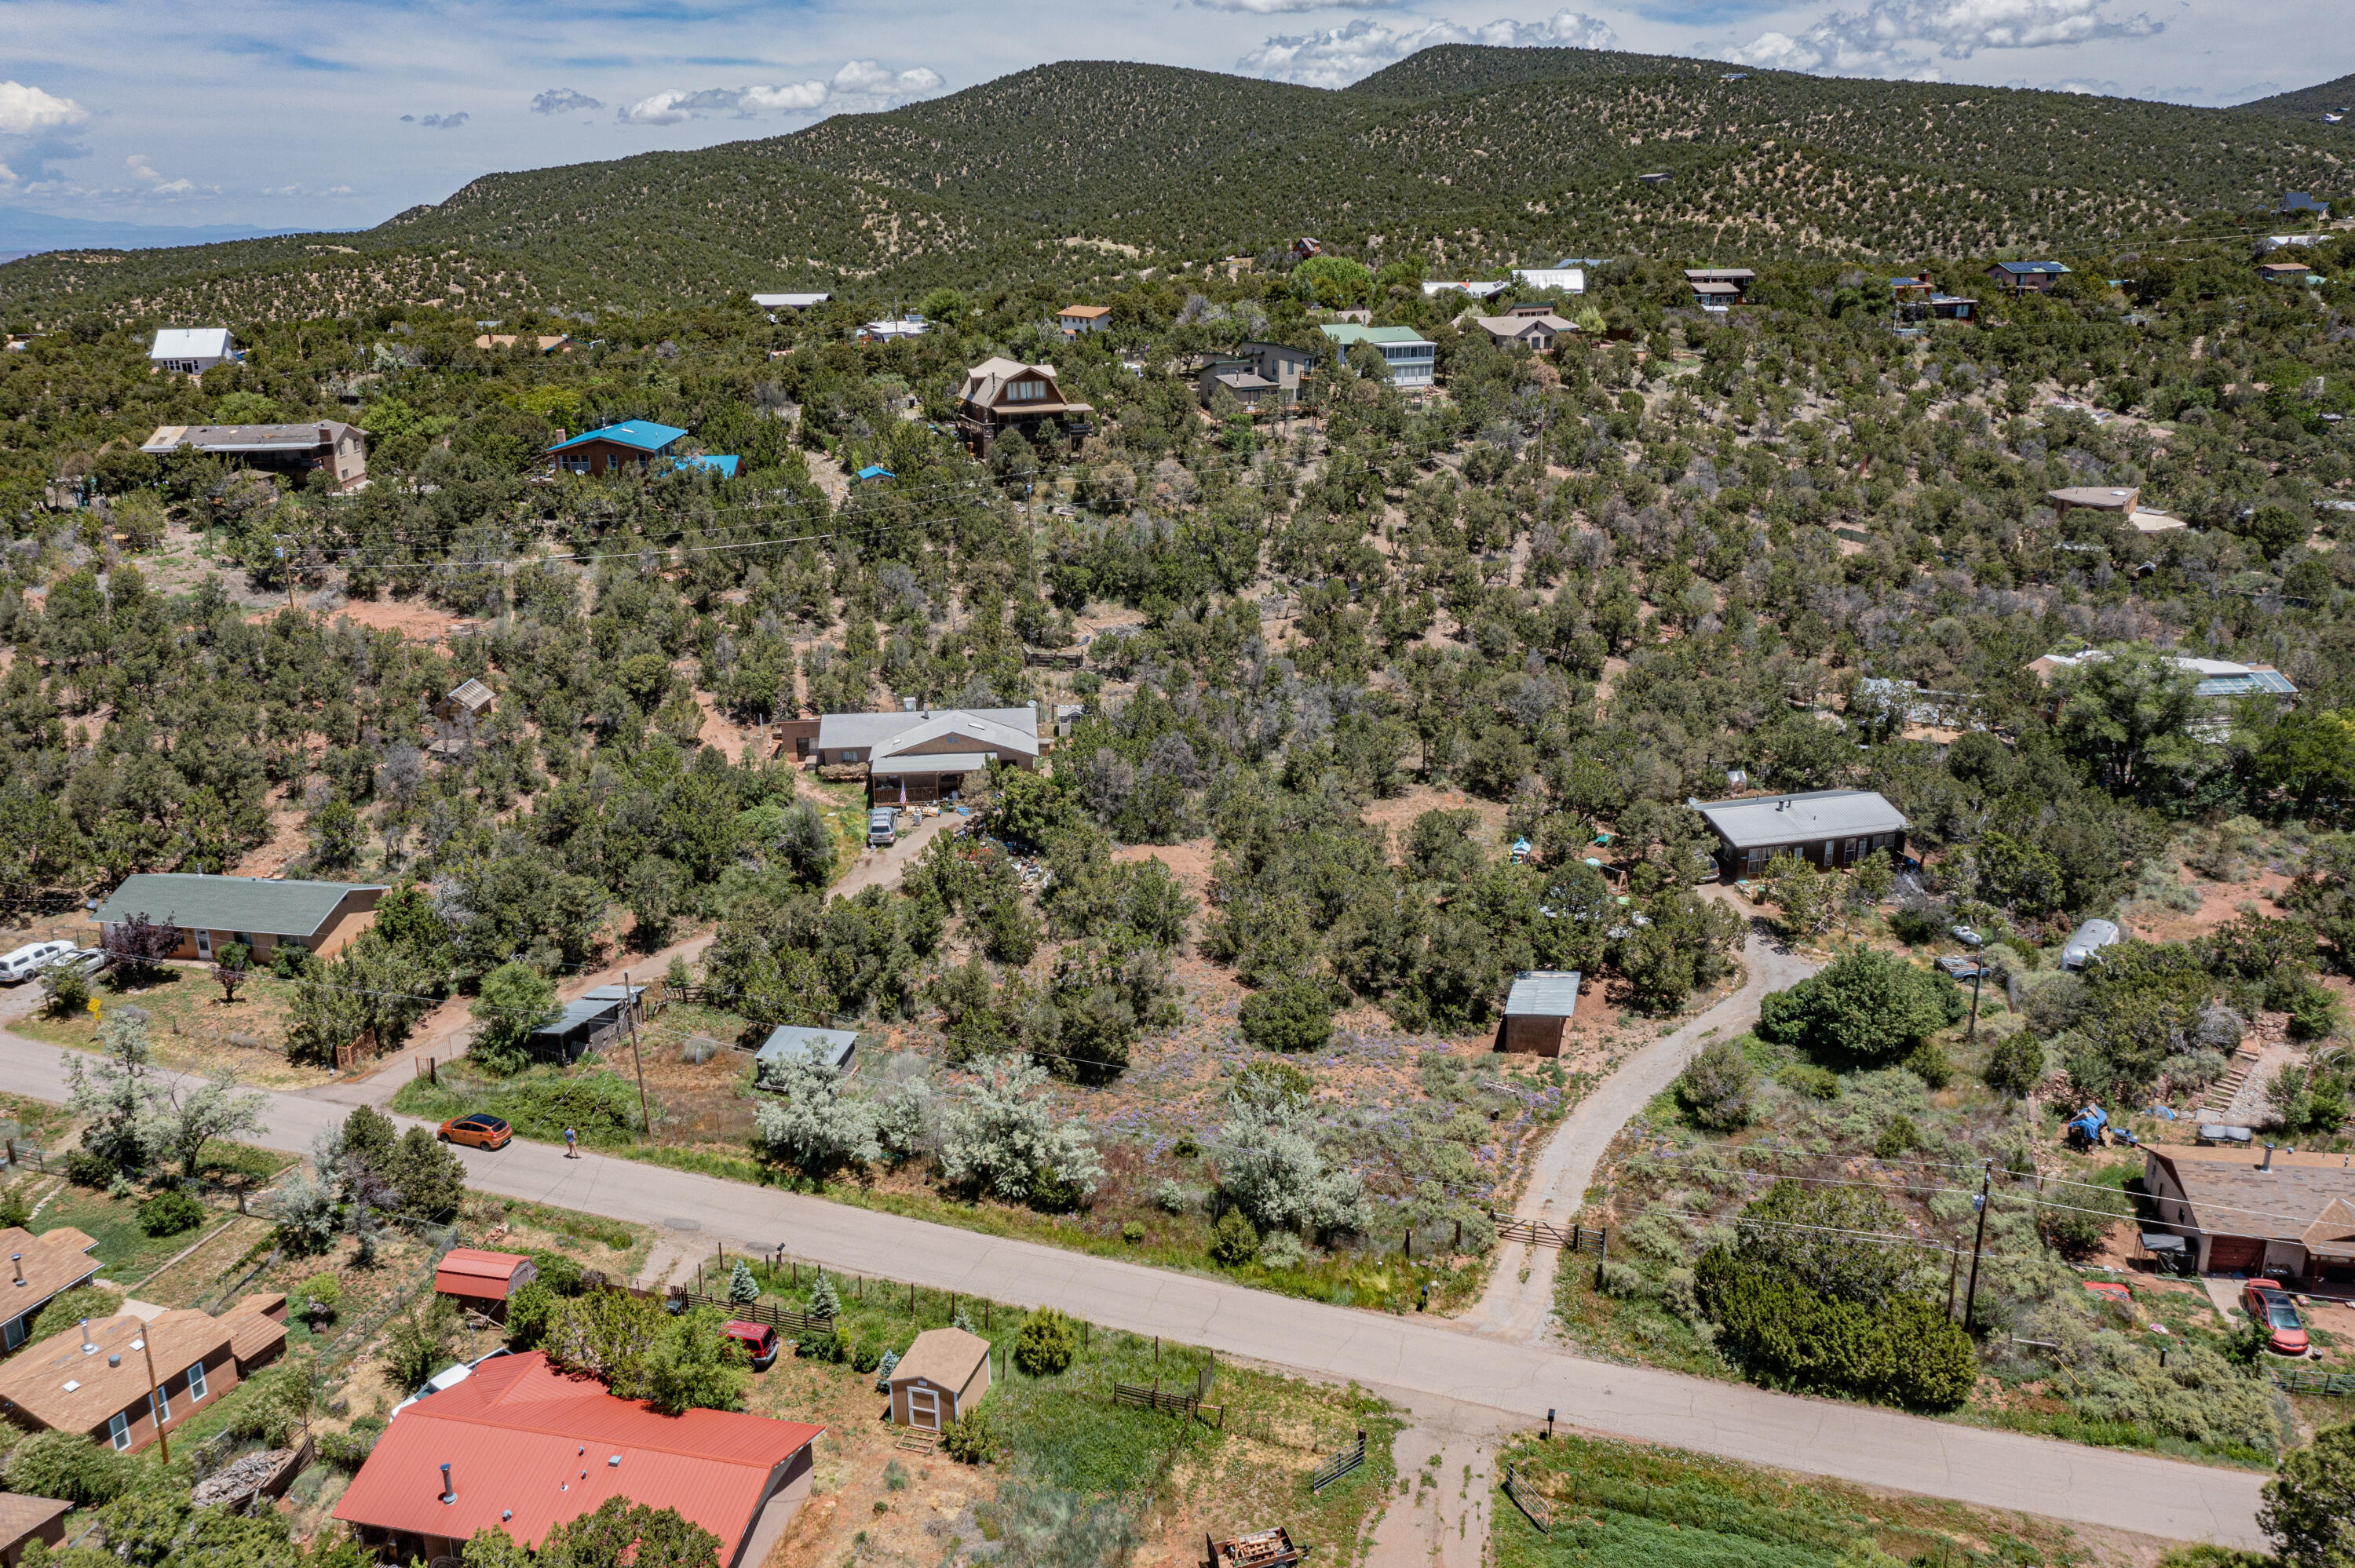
470, 699
484, 1281
1536, 1010
942, 1377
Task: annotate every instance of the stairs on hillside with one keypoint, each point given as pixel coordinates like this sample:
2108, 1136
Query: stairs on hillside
2217, 1105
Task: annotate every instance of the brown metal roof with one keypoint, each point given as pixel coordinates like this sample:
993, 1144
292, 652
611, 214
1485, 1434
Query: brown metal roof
945, 1358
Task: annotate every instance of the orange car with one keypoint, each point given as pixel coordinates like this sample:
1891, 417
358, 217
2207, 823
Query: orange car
479, 1130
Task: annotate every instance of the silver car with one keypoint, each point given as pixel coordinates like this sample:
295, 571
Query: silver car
2086, 942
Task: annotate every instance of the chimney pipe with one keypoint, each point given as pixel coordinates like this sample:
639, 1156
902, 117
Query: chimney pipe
86, 1346
449, 1495
2269, 1158
18, 1259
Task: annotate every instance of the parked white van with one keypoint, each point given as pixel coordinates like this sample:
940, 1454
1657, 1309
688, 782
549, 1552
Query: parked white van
28, 960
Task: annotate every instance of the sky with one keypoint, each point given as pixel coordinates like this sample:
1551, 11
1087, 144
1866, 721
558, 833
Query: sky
289, 115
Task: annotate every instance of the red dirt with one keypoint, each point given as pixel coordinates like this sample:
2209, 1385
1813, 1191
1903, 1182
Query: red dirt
2219, 904
1189, 863
1397, 815
416, 622
286, 841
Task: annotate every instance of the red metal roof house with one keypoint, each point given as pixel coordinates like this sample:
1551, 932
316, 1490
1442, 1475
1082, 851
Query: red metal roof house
529, 1447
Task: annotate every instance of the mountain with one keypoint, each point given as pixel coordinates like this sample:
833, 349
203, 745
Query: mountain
23, 231
1474, 157
2335, 96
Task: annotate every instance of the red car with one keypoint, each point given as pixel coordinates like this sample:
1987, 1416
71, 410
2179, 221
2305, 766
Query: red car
2270, 1305
758, 1337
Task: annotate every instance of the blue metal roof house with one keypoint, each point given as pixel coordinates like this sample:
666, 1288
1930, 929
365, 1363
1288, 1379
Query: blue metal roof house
638, 441
2027, 276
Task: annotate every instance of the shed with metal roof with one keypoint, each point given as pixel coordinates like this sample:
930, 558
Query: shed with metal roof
1537, 1011
834, 1048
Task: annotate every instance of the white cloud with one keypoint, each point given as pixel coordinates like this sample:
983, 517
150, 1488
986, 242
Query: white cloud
27, 110
1278, 7
860, 84
8, 176
792, 95
1895, 38
869, 79
1338, 56
564, 100
1281, 7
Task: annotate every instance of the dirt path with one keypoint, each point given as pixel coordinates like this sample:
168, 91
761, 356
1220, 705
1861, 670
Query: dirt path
1446, 1461
1517, 1305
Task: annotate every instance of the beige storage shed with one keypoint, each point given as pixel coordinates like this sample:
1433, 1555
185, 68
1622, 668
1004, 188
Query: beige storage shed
942, 1377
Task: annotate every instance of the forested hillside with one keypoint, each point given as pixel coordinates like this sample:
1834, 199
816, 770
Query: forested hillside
1468, 158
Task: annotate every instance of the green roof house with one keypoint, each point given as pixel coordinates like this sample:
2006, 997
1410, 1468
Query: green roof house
1411, 358
260, 912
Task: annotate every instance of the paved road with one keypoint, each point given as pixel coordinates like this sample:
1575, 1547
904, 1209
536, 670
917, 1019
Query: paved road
1521, 1308
1415, 1358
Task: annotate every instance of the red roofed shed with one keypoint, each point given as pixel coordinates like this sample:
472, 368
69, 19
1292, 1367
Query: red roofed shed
483, 1280
529, 1447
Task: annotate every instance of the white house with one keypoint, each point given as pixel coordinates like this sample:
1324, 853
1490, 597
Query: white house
775, 303
1560, 280
191, 351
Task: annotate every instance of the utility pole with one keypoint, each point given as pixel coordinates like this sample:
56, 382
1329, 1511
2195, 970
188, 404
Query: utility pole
1976, 944
155, 1399
630, 1012
1971, 1297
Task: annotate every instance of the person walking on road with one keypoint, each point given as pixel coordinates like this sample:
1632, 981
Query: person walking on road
569, 1152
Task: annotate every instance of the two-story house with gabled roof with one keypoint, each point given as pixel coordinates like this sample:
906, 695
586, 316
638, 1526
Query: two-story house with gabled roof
1000, 394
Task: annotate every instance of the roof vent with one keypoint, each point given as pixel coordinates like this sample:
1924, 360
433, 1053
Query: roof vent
116, 1360
2268, 1163
614, 1463
506, 1514
449, 1493
71, 1385
86, 1346
18, 1259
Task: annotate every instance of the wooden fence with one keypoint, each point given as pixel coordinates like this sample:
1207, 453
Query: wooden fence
2308, 1380
1533, 1507
784, 1318
1190, 1404
1339, 1465
1537, 1233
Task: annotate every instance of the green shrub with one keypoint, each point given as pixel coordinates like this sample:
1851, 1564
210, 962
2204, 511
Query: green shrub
71, 1466
1898, 1138
1716, 1084
349, 1450
68, 989
319, 1295
1913, 926
1046, 1344
973, 1440
1817, 1082
1133, 1232
2071, 1231
2314, 1012
1928, 1063
1293, 1014
168, 1213
84, 1168
1900, 1350
1233, 1242
1866, 1006
62, 1311
2015, 1064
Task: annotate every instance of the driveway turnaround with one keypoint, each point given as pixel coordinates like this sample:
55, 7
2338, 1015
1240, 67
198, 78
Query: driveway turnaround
1405, 1356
